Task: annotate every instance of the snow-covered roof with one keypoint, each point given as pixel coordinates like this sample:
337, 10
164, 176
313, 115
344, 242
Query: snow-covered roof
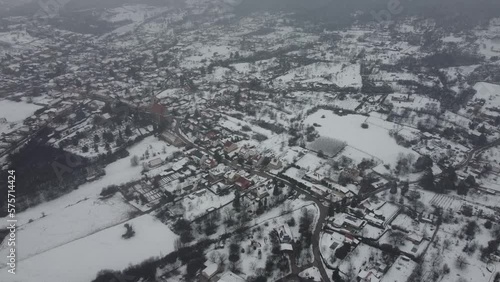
210, 270
231, 277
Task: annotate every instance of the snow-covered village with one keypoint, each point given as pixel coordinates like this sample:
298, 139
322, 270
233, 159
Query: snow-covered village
210, 140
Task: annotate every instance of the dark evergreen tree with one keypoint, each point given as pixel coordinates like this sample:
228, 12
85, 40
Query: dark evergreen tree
427, 180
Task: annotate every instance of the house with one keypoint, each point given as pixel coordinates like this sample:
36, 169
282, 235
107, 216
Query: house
210, 139
402, 98
314, 177
261, 193
177, 166
368, 276
158, 109
414, 238
344, 220
230, 277
218, 171
230, 147
428, 218
209, 272
209, 163
197, 156
231, 176
274, 164
243, 183
285, 234
106, 116
172, 139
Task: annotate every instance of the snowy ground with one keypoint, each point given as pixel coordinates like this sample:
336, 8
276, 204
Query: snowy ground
81, 260
261, 227
341, 75
400, 268
449, 246
328, 244
374, 141
492, 157
79, 213
490, 93
196, 206
361, 257
311, 274
16, 111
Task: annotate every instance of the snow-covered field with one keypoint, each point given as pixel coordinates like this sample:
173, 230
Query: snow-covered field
341, 75
16, 38
79, 213
81, 260
16, 111
61, 226
374, 141
491, 94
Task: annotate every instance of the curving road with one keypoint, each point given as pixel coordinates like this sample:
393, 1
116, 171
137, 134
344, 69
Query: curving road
323, 211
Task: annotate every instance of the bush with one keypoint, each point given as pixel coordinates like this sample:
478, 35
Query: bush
342, 252
364, 125
488, 224
260, 137
246, 128
109, 191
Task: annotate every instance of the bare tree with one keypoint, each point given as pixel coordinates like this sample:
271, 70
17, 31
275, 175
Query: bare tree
461, 262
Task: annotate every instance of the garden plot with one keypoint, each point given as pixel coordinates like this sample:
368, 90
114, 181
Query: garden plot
402, 267
310, 162
388, 211
257, 240
354, 154
198, 203
327, 145
292, 154
449, 249
82, 259
349, 103
363, 256
440, 200
395, 77
409, 225
374, 141
328, 244
235, 124
372, 232
404, 243
492, 180
464, 71
311, 274
416, 102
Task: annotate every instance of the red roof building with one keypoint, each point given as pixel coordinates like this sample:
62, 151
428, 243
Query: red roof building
243, 183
